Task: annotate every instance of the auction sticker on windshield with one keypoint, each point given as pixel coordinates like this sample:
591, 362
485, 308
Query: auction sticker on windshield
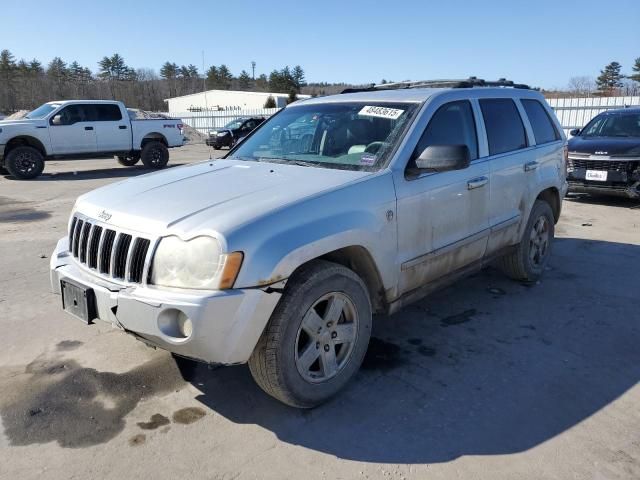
381, 112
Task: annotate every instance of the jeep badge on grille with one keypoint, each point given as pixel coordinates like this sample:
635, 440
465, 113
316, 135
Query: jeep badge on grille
104, 215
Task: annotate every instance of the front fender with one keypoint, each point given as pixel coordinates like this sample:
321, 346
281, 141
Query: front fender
357, 215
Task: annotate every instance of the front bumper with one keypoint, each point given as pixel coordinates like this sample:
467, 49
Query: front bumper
218, 141
226, 324
618, 183
623, 176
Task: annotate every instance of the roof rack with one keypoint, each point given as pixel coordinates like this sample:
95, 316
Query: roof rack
466, 83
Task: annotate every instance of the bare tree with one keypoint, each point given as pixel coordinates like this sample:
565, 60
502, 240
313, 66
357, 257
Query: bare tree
583, 86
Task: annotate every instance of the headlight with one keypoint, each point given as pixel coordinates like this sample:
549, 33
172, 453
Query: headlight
213, 133
197, 263
222, 134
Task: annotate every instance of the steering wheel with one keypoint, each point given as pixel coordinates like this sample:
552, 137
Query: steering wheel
374, 147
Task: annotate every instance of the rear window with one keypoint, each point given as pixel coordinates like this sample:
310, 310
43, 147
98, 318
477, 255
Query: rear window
505, 131
543, 129
108, 113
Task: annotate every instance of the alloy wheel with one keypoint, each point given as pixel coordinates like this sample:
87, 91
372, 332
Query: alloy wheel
539, 241
326, 337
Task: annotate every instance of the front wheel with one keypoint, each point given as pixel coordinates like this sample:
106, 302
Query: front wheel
155, 154
128, 160
24, 162
530, 257
316, 338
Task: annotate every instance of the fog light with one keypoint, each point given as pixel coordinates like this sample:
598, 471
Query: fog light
185, 325
175, 323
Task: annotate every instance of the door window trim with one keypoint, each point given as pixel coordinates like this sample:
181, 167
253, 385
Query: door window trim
528, 133
437, 108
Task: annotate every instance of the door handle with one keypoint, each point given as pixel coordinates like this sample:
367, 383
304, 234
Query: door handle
122, 127
88, 128
530, 166
477, 182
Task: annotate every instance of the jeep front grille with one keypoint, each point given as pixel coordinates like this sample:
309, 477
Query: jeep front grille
110, 252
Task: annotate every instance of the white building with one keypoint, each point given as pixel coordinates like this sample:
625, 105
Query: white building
224, 100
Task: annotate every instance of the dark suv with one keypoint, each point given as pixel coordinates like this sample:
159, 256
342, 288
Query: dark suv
233, 131
604, 157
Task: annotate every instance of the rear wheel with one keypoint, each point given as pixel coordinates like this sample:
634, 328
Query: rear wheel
128, 160
530, 258
155, 154
24, 162
316, 338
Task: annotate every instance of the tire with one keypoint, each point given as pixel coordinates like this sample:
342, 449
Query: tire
155, 155
304, 369
24, 162
217, 147
528, 261
128, 160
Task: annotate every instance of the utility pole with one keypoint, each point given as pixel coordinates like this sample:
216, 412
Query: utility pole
204, 83
253, 70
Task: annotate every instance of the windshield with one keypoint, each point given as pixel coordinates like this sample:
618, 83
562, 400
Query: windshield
353, 136
233, 124
42, 111
613, 125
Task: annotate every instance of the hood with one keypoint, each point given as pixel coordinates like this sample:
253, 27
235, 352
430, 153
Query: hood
605, 145
208, 196
22, 121
219, 130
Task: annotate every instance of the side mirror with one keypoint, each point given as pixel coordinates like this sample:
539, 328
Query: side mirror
575, 132
56, 120
442, 158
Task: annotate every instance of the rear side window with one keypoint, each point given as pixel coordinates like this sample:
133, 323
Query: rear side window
505, 131
543, 129
452, 124
108, 113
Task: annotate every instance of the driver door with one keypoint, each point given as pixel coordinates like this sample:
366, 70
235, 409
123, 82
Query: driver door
73, 134
443, 217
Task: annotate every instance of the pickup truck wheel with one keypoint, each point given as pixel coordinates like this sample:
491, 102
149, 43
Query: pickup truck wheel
128, 160
155, 155
24, 162
316, 338
530, 258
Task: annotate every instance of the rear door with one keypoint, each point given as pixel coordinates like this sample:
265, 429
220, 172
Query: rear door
113, 132
443, 217
75, 134
510, 158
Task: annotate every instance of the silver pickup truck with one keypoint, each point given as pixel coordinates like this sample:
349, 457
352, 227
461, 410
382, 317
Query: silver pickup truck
334, 209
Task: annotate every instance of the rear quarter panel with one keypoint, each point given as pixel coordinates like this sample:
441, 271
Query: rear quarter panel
167, 128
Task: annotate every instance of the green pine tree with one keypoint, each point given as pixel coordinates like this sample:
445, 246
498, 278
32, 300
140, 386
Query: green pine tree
635, 76
610, 78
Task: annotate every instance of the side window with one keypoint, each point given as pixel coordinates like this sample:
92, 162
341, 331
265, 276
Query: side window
505, 131
452, 124
108, 113
544, 130
250, 125
71, 114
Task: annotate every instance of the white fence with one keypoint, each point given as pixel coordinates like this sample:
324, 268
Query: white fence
572, 112
576, 112
205, 120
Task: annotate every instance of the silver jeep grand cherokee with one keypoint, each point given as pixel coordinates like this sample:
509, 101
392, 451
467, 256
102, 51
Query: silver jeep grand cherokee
336, 208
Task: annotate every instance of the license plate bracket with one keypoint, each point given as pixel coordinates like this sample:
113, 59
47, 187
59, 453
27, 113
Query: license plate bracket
596, 175
78, 300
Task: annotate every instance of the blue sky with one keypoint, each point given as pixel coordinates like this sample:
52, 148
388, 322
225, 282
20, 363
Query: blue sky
542, 43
